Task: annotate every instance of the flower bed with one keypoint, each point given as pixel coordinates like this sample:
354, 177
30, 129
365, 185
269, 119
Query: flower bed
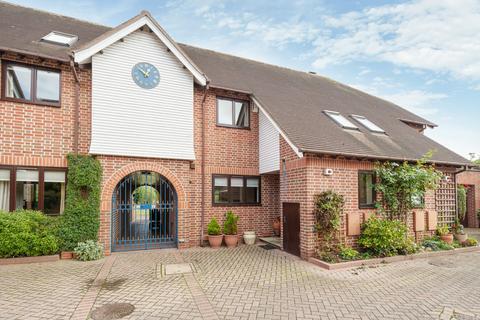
374, 261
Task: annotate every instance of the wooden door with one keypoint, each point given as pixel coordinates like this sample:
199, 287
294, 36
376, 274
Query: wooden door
291, 227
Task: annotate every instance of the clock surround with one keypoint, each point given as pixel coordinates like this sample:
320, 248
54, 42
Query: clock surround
145, 75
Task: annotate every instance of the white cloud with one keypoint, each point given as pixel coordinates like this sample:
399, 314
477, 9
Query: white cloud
434, 35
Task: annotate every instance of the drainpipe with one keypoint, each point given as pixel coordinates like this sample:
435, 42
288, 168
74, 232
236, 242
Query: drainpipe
76, 123
202, 166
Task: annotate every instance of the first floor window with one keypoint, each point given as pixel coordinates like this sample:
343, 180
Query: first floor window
233, 113
235, 190
27, 83
33, 189
4, 189
366, 189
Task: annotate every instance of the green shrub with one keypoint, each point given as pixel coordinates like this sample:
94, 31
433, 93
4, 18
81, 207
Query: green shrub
470, 242
26, 234
88, 251
230, 225
213, 228
382, 237
435, 244
81, 219
461, 202
347, 253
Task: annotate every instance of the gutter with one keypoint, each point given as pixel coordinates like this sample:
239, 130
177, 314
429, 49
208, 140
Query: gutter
76, 121
202, 167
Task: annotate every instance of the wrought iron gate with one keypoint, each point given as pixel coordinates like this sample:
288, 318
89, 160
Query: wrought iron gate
144, 213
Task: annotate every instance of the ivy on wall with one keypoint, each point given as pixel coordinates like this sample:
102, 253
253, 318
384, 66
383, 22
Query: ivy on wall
462, 202
81, 219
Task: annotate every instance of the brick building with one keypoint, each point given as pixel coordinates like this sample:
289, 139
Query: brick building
185, 134
471, 181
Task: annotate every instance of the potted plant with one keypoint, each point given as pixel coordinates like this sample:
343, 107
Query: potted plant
460, 234
230, 229
249, 237
215, 235
276, 226
444, 233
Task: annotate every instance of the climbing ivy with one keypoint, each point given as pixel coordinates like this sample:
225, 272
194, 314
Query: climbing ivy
400, 184
462, 202
81, 219
328, 208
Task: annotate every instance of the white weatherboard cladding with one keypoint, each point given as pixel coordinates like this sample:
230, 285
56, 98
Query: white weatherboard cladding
269, 145
131, 121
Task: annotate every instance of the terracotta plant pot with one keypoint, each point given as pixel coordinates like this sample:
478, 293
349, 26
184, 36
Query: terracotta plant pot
66, 255
276, 226
231, 240
215, 241
249, 237
448, 238
461, 237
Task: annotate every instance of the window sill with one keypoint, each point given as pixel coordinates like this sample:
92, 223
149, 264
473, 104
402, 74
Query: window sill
232, 127
236, 204
41, 104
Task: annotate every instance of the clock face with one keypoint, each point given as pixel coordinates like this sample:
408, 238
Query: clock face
145, 75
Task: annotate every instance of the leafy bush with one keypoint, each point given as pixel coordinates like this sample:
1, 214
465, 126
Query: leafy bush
213, 228
81, 219
230, 225
347, 253
435, 244
88, 251
443, 230
461, 202
470, 242
382, 237
27, 233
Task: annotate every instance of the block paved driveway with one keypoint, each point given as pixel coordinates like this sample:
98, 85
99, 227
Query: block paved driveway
246, 283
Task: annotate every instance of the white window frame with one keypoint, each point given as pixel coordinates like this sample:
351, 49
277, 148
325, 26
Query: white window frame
367, 124
344, 122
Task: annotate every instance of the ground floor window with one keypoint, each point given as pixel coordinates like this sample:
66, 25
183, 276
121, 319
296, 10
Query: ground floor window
236, 190
33, 189
366, 189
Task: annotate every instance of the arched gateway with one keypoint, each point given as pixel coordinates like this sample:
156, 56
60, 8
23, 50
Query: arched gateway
144, 212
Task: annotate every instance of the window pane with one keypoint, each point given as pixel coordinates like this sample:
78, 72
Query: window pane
368, 124
19, 81
237, 189
4, 189
27, 175
225, 112
366, 191
253, 190
241, 114
54, 176
54, 198
48, 86
220, 190
341, 120
27, 195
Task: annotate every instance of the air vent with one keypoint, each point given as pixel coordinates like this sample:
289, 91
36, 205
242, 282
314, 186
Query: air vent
60, 38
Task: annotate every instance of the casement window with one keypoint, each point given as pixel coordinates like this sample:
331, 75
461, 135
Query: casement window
233, 113
418, 201
236, 190
340, 120
33, 189
366, 189
30, 84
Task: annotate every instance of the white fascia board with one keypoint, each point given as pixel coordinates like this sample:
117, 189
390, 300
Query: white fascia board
294, 148
85, 55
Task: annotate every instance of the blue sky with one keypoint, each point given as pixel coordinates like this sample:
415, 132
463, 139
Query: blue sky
423, 55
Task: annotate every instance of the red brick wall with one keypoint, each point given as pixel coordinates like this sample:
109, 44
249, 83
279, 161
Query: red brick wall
472, 178
305, 177
35, 135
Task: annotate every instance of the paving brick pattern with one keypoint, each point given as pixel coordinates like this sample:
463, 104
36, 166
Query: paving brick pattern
49, 290
248, 283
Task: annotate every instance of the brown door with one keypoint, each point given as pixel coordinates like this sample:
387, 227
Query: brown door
291, 227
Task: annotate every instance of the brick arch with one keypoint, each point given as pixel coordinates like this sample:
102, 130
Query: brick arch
110, 185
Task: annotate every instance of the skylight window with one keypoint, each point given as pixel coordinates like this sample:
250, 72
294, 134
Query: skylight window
368, 124
340, 120
60, 38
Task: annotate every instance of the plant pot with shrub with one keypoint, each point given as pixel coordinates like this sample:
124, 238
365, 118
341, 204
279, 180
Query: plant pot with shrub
444, 233
215, 236
460, 234
230, 229
276, 226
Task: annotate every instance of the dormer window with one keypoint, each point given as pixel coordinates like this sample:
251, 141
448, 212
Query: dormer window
340, 120
368, 124
60, 38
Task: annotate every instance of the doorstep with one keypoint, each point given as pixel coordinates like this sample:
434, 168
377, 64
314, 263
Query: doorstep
274, 241
25, 260
374, 261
